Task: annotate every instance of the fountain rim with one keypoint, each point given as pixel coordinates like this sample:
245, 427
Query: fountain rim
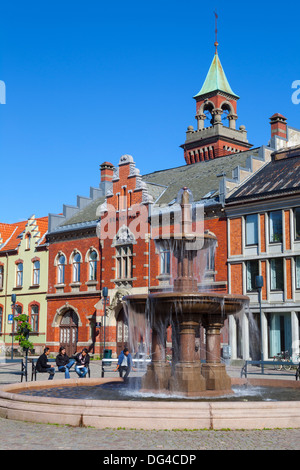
207, 296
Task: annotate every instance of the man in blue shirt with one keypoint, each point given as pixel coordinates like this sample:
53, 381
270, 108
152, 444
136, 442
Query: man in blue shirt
125, 364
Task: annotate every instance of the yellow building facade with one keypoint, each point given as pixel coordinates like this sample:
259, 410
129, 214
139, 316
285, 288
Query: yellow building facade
24, 274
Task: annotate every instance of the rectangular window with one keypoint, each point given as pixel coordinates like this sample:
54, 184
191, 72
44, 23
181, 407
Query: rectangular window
252, 229
34, 318
19, 279
297, 223
252, 272
297, 272
36, 273
18, 311
276, 268
124, 262
275, 227
1, 277
1, 319
164, 261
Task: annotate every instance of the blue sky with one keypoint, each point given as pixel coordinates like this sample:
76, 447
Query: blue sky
89, 81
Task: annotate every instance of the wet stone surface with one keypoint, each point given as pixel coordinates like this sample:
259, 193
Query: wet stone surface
119, 391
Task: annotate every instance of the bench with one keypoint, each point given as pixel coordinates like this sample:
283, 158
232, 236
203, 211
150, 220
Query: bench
111, 364
34, 371
263, 364
23, 372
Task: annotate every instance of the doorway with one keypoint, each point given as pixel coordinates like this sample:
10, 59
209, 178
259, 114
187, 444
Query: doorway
122, 331
69, 332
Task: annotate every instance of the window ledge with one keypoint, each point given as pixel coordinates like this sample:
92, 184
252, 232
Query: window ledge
91, 283
59, 286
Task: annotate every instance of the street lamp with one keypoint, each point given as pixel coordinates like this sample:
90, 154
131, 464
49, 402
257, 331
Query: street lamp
104, 295
259, 283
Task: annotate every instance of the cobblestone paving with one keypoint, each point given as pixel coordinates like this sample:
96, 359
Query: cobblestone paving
25, 436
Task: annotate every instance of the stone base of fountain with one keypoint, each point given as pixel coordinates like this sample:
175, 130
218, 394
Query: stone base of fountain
216, 377
187, 379
157, 376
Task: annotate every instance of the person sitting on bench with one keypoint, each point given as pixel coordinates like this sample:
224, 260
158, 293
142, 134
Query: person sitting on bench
42, 365
63, 362
82, 363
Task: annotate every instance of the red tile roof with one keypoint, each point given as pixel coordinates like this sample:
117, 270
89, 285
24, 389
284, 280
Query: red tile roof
11, 234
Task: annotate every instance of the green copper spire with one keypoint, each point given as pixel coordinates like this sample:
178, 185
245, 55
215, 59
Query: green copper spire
216, 79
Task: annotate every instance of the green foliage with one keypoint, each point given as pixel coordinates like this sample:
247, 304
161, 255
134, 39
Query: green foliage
23, 330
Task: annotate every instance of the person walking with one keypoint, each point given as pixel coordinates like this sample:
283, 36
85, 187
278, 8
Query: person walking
82, 363
43, 366
125, 364
63, 362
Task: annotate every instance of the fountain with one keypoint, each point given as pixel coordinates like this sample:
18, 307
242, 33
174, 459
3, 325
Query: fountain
103, 402
184, 309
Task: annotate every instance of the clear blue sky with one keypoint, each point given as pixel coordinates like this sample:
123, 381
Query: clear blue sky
89, 81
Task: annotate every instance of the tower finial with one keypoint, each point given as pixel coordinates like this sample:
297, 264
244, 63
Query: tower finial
216, 32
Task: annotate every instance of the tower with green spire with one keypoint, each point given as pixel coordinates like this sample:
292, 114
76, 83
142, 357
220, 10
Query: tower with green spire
216, 103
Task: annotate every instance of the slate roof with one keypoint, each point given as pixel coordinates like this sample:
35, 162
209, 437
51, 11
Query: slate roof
164, 185
280, 176
88, 214
201, 178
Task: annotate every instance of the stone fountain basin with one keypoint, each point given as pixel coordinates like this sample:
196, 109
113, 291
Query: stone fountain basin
148, 415
189, 302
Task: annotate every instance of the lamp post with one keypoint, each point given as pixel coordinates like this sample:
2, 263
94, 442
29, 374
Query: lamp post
13, 300
259, 282
104, 295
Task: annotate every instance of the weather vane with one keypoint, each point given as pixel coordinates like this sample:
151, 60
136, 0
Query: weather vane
216, 32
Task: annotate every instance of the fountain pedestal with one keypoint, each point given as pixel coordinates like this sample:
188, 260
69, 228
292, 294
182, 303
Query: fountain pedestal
213, 370
158, 371
187, 378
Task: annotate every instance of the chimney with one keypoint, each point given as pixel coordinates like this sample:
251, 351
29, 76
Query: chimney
107, 171
278, 126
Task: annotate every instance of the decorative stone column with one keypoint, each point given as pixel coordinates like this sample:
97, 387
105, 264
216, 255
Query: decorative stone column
217, 115
200, 121
158, 371
232, 118
187, 379
213, 370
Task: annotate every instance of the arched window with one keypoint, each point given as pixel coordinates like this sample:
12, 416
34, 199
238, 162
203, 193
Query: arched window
76, 267
93, 266
36, 273
61, 269
34, 318
19, 277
